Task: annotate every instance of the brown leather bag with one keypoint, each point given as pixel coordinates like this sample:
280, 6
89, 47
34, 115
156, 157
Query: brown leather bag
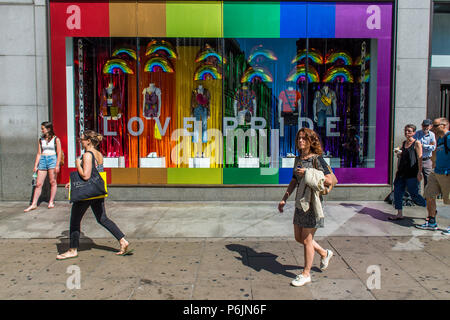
334, 180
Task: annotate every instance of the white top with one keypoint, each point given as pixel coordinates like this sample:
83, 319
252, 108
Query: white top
48, 148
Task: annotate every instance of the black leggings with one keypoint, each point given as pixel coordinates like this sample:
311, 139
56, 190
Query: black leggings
98, 207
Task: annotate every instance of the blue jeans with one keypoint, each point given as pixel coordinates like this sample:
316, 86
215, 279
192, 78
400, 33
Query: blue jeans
400, 185
47, 162
201, 113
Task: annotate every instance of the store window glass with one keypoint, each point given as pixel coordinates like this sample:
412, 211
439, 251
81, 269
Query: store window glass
440, 44
104, 73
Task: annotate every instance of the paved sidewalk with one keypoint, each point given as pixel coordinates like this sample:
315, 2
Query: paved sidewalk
222, 250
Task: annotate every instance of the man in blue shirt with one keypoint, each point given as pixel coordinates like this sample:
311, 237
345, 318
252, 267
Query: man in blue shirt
428, 141
439, 179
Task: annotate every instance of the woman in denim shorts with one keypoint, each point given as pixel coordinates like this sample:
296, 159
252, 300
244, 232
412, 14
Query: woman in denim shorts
48, 159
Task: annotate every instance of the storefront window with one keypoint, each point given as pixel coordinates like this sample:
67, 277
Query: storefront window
233, 94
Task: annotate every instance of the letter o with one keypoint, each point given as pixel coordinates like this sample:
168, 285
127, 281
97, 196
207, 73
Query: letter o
130, 126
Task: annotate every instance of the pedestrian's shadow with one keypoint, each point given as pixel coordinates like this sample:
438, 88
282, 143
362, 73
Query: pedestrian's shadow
86, 243
380, 215
269, 262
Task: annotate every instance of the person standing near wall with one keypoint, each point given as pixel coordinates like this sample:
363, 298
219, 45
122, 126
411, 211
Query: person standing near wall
439, 179
307, 221
428, 141
48, 159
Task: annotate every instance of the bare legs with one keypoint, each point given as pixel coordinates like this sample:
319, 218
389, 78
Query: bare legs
53, 187
305, 236
42, 174
37, 191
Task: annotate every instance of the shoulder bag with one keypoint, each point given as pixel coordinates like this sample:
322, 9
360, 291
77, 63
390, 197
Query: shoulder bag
93, 188
334, 180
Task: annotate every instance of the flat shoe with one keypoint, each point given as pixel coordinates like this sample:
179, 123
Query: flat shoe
65, 257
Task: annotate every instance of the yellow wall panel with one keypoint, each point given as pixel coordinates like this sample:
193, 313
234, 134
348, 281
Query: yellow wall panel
151, 18
123, 19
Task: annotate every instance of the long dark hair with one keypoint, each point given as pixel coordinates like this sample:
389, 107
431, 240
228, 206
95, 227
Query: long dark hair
50, 133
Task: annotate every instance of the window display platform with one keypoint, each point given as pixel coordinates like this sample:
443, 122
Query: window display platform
152, 162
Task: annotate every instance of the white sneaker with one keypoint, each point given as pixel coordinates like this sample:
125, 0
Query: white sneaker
300, 280
324, 262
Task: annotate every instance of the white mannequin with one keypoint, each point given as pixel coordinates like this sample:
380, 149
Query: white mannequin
150, 89
317, 96
280, 103
236, 112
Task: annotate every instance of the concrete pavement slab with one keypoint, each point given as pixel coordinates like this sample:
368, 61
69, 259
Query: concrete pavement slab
222, 289
279, 290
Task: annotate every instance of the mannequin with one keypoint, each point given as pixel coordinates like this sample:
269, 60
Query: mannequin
200, 109
244, 105
111, 102
151, 102
324, 105
289, 105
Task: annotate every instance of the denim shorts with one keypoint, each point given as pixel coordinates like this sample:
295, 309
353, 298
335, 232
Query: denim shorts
47, 162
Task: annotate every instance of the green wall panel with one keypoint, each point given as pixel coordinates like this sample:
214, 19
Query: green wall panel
194, 19
251, 19
250, 176
194, 176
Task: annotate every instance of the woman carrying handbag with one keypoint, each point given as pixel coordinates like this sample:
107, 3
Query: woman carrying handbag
90, 141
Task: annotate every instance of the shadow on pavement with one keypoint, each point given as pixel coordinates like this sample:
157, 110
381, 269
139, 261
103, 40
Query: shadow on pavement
86, 243
261, 260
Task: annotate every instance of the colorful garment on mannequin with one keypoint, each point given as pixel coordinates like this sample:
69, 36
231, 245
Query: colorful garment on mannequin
245, 98
290, 100
151, 103
199, 99
325, 101
110, 103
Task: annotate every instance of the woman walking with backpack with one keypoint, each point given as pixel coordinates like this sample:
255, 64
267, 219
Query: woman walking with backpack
48, 159
90, 142
307, 221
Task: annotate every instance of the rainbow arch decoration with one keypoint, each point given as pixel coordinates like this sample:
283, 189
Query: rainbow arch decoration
207, 72
209, 52
254, 73
158, 64
129, 52
116, 66
313, 54
156, 46
299, 74
339, 74
259, 51
341, 57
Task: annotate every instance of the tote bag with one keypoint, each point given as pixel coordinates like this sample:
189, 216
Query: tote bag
93, 188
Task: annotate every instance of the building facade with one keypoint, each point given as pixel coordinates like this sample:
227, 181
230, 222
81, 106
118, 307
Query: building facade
202, 100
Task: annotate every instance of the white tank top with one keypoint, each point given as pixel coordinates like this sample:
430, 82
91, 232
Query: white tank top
48, 148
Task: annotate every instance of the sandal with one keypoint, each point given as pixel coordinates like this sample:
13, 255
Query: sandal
30, 208
64, 257
124, 251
